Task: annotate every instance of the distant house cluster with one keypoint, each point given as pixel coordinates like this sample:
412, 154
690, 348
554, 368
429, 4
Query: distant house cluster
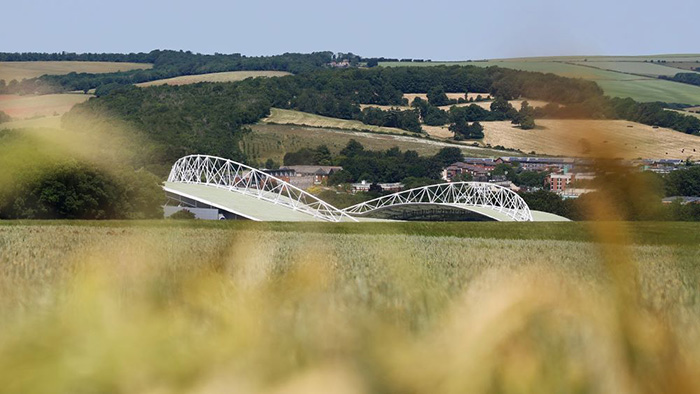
345, 63
567, 176
364, 186
304, 176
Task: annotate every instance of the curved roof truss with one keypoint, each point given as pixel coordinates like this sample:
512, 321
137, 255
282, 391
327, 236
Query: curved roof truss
465, 195
240, 178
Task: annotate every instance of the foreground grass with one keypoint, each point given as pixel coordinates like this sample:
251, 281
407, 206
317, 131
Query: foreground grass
414, 307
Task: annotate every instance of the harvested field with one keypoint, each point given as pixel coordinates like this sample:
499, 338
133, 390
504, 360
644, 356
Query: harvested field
438, 131
269, 141
285, 116
588, 137
23, 107
23, 70
487, 104
52, 122
231, 76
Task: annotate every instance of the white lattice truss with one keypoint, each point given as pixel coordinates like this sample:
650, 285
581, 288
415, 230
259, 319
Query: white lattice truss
457, 194
239, 178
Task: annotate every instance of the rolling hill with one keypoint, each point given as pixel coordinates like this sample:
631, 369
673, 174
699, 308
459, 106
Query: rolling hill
617, 76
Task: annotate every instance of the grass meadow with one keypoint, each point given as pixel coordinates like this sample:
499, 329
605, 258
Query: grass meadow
202, 307
613, 83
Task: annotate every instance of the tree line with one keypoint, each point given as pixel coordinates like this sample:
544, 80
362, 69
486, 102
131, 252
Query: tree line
689, 78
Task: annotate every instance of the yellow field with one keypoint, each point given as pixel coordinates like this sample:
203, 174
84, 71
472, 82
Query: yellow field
483, 104
285, 116
437, 131
270, 141
570, 137
53, 122
515, 103
231, 76
421, 308
23, 107
22, 70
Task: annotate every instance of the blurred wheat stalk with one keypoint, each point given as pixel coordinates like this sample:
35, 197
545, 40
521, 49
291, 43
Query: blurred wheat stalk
94, 309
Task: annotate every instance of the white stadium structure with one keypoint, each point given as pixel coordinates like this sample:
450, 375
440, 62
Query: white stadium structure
216, 188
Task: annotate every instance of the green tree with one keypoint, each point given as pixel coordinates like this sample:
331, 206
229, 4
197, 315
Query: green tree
437, 96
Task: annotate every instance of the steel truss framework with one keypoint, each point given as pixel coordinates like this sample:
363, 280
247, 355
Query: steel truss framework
239, 178
458, 194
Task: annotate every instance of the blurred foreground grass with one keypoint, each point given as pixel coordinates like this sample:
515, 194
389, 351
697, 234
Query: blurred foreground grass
160, 307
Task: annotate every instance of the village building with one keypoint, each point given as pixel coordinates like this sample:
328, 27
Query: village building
304, 176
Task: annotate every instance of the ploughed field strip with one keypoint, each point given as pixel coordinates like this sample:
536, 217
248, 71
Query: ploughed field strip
226, 189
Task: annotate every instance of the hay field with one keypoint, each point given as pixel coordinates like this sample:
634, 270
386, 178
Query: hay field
231, 76
269, 141
126, 308
23, 70
51, 122
286, 116
23, 107
483, 104
487, 104
564, 137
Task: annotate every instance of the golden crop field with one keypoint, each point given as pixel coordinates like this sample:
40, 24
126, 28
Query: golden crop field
230, 76
23, 107
285, 116
52, 122
584, 137
487, 104
421, 308
271, 141
24, 70
483, 104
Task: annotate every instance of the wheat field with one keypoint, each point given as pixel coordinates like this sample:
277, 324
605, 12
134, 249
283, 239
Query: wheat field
586, 137
133, 307
30, 106
229, 76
